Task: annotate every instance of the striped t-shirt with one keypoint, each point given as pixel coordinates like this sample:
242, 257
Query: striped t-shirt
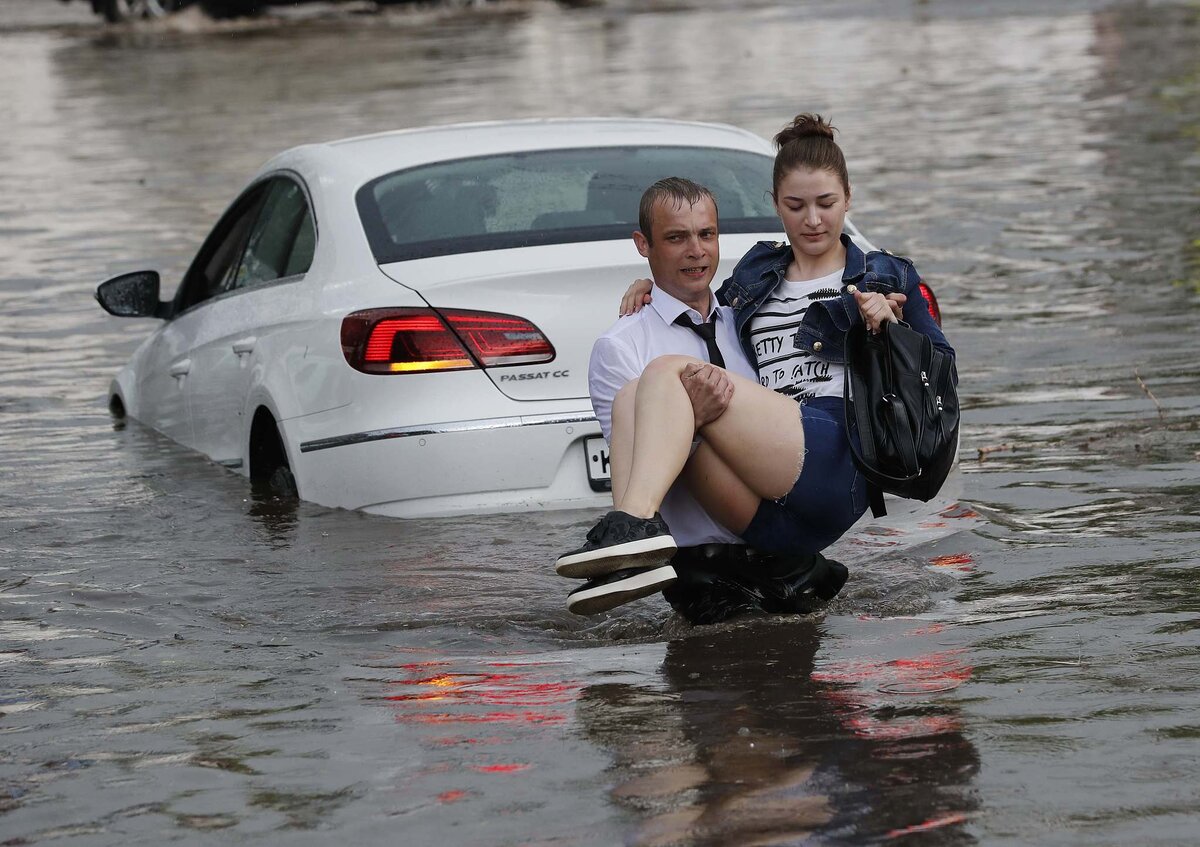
781, 367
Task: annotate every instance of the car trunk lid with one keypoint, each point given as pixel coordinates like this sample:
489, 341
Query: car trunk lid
571, 292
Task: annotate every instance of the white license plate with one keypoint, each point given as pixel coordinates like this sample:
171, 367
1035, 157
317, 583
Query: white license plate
599, 474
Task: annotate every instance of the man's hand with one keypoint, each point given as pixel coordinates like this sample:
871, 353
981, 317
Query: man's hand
635, 296
709, 388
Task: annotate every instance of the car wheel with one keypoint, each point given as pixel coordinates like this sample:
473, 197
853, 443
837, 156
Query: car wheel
282, 483
270, 472
116, 11
116, 408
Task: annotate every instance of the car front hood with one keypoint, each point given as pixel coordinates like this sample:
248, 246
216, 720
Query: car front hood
571, 292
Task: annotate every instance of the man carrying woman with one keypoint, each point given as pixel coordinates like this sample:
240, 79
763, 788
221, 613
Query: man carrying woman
774, 465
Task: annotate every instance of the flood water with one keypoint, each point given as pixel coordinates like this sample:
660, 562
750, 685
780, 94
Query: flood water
184, 662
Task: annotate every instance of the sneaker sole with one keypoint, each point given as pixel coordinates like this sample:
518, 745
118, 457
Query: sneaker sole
593, 601
634, 554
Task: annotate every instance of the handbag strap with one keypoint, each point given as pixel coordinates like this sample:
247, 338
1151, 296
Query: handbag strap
875, 500
867, 454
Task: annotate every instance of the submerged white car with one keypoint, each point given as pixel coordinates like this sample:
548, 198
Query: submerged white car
401, 323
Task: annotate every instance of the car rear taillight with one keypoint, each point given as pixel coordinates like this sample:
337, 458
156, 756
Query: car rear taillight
500, 339
387, 341
931, 303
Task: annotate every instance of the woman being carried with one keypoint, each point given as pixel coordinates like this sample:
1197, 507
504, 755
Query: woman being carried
775, 467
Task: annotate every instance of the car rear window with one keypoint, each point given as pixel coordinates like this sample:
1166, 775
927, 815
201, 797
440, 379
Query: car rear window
550, 197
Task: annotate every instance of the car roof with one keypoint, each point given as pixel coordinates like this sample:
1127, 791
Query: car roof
362, 158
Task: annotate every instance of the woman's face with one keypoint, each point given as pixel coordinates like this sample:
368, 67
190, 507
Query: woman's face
812, 205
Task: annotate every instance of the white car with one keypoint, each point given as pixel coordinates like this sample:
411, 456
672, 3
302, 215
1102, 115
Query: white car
401, 323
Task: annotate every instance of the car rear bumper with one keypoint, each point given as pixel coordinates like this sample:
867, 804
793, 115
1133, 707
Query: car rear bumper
502, 464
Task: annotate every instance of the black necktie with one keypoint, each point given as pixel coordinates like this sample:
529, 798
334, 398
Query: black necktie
707, 331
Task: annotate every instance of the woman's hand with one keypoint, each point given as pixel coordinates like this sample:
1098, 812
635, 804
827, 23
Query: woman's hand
636, 296
877, 309
709, 388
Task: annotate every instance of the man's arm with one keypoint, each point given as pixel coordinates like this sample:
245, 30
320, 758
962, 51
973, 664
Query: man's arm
612, 366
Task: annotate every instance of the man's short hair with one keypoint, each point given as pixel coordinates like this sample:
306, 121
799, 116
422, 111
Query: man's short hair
675, 189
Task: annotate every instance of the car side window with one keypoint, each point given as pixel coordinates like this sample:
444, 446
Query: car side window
303, 247
215, 266
282, 240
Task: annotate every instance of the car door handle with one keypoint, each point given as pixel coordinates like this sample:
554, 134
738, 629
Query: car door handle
181, 368
244, 346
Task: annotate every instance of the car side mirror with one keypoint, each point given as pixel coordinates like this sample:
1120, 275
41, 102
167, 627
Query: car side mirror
132, 295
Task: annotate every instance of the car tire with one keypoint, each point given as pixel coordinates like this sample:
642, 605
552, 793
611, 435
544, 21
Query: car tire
270, 471
282, 483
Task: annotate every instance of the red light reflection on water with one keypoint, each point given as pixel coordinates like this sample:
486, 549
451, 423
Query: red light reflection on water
901, 727
932, 629
510, 768
452, 695
487, 688
483, 693
862, 699
930, 672
958, 510
957, 561
926, 826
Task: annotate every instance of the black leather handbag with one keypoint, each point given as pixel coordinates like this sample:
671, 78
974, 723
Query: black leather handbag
902, 409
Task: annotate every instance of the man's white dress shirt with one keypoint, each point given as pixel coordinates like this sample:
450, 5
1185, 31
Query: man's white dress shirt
622, 353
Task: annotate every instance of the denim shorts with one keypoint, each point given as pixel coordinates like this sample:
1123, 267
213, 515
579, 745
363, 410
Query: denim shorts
826, 500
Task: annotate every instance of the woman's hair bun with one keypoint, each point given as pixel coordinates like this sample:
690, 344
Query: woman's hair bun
807, 142
805, 125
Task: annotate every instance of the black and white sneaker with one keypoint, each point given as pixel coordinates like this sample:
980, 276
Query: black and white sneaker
611, 590
618, 541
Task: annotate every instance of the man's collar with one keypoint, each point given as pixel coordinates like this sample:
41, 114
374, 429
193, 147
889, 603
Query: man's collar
669, 307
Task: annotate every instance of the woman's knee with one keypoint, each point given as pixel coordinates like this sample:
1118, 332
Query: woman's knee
671, 365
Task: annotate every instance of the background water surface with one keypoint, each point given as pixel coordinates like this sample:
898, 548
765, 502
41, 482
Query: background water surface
182, 662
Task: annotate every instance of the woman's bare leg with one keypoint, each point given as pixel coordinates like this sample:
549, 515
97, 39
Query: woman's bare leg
713, 483
620, 450
720, 491
759, 437
664, 426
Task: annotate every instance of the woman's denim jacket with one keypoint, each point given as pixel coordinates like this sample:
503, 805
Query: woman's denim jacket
823, 329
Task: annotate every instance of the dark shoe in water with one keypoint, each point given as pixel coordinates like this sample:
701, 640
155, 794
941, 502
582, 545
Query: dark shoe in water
704, 597
726, 586
618, 541
796, 583
613, 589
